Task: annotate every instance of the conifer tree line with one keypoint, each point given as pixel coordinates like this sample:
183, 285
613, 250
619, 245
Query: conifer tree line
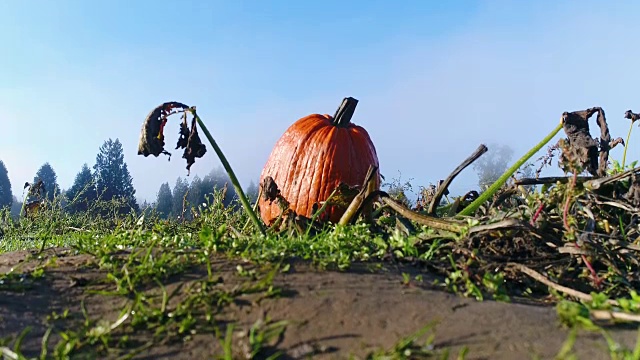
172, 202
108, 181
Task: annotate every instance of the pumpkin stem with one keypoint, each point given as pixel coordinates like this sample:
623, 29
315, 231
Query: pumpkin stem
343, 115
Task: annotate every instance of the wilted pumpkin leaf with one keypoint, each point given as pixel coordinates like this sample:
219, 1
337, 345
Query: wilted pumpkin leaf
270, 189
190, 142
593, 156
152, 134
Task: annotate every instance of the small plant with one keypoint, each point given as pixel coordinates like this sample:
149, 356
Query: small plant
411, 347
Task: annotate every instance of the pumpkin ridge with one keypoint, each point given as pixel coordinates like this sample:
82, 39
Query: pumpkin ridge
361, 136
358, 142
309, 128
292, 174
315, 192
305, 185
354, 158
330, 149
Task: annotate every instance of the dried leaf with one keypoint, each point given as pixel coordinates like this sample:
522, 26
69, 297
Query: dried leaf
270, 189
592, 155
151, 136
582, 146
190, 141
631, 116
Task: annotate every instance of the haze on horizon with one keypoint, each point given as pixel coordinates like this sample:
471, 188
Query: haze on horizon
434, 79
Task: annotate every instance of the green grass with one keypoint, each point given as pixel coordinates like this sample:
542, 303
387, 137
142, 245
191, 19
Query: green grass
140, 256
139, 253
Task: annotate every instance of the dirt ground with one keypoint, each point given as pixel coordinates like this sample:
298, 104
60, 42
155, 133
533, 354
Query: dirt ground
331, 315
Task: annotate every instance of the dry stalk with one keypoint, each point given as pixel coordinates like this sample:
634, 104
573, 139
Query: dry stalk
563, 289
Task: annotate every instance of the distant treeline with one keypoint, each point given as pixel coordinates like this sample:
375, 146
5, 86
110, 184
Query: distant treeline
110, 181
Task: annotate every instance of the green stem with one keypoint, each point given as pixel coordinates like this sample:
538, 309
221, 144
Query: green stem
255, 208
626, 145
471, 208
232, 175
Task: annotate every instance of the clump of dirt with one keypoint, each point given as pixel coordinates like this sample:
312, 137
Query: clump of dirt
328, 314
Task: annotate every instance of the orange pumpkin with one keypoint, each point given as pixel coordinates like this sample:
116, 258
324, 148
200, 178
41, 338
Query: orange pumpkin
315, 155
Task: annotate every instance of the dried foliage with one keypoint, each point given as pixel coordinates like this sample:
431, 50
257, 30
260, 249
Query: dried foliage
152, 133
593, 155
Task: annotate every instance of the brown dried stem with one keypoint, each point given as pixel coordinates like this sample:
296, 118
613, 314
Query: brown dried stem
442, 188
356, 205
563, 289
433, 222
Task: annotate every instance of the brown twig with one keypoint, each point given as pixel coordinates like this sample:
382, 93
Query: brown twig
593, 155
434, 222
442, 188
563, 289
595, 184
612, 315
503, 224
631, 115
357, 204
550, 180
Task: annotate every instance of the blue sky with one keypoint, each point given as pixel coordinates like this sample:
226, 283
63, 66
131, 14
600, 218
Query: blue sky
434, 79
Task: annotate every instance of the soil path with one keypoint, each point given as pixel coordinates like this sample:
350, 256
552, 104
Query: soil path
331, 314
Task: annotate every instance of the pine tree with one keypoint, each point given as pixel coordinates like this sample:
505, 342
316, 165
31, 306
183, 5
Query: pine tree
179, 190
113, 180
6, 197
252, 192
196, 194
49, 179
216, 180
16, 207
146, 209
164, 201
83, 193
207, 186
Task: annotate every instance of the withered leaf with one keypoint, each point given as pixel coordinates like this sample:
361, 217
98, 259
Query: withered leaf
190, 141
631, 115
591, 154
270, 189
582, 145
151, 136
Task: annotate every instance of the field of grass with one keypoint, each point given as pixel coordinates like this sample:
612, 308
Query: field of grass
544, 268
